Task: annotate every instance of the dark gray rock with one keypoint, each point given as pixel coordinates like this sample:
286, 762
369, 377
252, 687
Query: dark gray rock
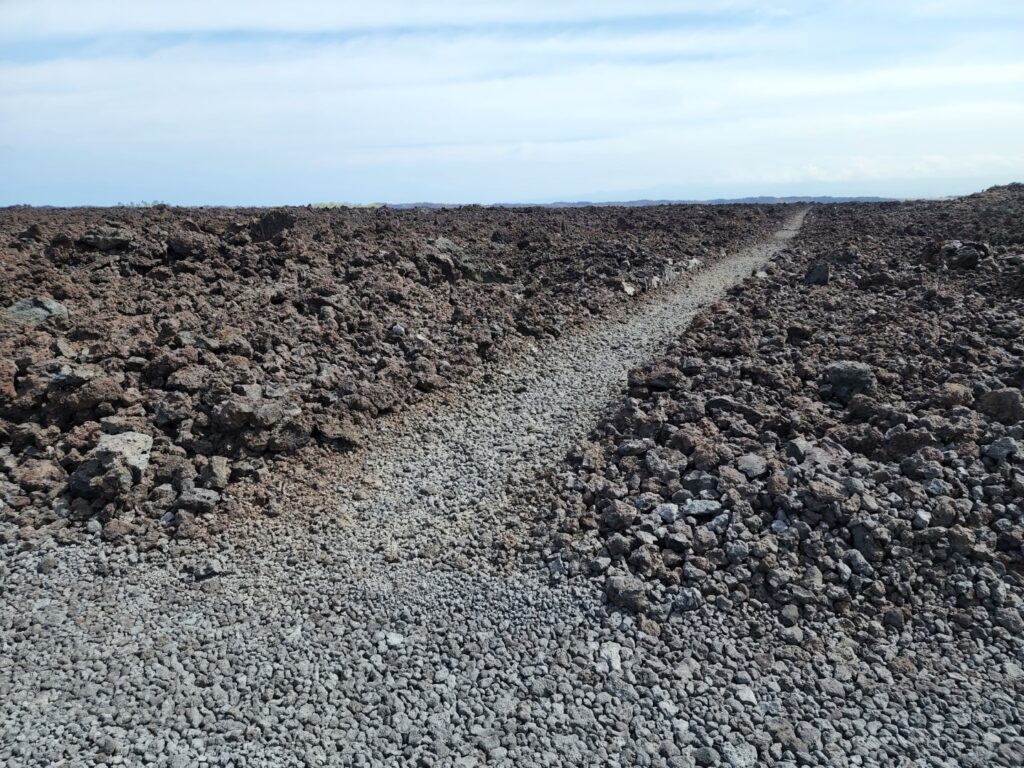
107, 238
819, 274
1002, 448
201, 500
1004, 405
847, 378
628, 592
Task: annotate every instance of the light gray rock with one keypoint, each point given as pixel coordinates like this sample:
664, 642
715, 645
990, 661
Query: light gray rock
36, 310
752, 465
701, 507
131, 448
740, 755
689, 599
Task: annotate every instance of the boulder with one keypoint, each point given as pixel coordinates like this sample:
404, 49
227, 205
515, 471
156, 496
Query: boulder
819, 274
847, 378
113, 467
752, 465
1004, 405
107, 238
41, 475
36, 309
627, 592
198, 499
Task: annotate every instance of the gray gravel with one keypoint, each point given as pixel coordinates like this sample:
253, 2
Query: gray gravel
377, 611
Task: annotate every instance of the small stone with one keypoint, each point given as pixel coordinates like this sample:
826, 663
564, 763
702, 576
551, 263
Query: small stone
745, 694
849, 377
132, 448
202, 500
41, 475
740, 755
206, 569
792, 635
922, 519
858, 563
634, 447
894, 618
116, 529
799, 449
216, 474
951, 394
612, 654
668, 708
1011, 620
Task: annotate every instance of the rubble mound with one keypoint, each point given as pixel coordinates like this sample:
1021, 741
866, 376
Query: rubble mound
847, 444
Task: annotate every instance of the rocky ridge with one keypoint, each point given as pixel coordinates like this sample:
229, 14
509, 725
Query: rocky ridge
150, 357
844, 435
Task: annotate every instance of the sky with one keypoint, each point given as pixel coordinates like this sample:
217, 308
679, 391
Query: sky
246, 102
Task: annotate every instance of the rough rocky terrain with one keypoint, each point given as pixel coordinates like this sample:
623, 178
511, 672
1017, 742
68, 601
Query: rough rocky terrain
152, 356
844, 432
450, 592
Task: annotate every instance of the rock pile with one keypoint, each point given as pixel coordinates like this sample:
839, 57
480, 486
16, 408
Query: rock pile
844, 434
150, 357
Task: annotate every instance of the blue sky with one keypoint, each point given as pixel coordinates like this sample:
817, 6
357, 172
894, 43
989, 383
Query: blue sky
253, 102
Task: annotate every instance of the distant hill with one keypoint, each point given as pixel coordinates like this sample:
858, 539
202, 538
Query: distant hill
761, 200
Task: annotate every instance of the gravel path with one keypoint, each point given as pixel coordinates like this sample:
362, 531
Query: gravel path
444, 478
370, 619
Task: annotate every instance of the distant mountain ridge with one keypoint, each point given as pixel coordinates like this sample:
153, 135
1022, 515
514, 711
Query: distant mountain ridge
759, 200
